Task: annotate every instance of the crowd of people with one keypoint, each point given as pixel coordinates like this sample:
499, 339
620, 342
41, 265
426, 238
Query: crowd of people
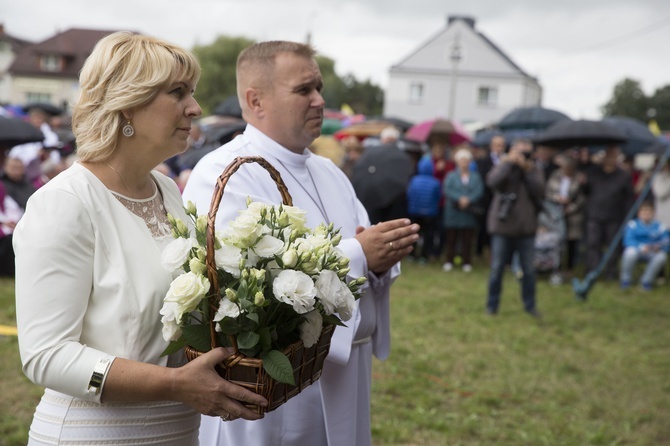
88, 237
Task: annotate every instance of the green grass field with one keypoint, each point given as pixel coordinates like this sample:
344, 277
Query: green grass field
594, 373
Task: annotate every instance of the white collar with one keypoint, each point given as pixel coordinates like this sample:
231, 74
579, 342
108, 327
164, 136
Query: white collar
268, 147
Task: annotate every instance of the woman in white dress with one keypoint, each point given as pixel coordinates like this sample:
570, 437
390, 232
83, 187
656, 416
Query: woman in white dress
89, 283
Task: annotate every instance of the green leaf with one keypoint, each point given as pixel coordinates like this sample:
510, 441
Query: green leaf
198, 337
278, 367
253, 317
174, 346
248, 339
332, 319
229, 326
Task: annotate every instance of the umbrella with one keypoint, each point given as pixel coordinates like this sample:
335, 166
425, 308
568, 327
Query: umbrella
402, 124
569, 133
330, 126
229, 107
639, 137
483, 138
530, 118
15, 131
47, 108
327, 146
438, 127
381, 175
362, 129
404, 144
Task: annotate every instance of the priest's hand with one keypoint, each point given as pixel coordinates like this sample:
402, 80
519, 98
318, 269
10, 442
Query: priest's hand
387, 243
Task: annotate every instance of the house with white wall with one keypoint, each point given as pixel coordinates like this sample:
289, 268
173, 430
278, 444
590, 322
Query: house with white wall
48, 71
9, 48
459, 74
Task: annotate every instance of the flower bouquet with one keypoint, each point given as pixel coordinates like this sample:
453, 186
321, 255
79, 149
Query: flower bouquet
266, 285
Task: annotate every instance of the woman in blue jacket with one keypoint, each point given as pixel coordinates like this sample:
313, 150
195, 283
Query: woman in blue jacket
463, 189
423, 200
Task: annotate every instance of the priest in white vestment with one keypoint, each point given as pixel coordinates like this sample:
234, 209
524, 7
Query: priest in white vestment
279, 86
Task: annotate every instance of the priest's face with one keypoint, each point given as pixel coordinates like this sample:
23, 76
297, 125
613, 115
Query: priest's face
293, 105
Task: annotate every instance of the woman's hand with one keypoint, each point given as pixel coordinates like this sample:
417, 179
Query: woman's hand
198, 385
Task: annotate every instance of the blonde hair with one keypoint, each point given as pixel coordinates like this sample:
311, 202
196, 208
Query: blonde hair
124, 71
463, 153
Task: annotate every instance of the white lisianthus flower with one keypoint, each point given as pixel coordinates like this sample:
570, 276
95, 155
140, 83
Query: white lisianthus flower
302, 246
228, 259
187, 291
290, 258
176, 253
310, 330
226, 309
268, 246
273, 268
243, 231
296, 289
254, 209
334, 295
171, 329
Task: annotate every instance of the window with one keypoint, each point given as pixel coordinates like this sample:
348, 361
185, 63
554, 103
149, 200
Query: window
50, 63
487, 96
37, 97
416, 92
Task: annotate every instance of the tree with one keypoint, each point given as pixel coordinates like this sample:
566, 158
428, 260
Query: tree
660, 104
629, 100
218, 60
217, 81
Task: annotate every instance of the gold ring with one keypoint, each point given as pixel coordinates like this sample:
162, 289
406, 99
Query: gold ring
226, 418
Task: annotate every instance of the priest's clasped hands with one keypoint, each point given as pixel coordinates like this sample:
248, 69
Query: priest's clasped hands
387, 243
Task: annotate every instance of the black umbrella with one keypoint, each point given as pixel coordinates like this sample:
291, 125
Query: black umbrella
229, 107
483, 138
381, 175
14, 131
400, 123
530, 118
47, 108
569, 133
639, 137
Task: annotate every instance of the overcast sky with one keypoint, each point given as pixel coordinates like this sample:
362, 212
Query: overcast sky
578, 49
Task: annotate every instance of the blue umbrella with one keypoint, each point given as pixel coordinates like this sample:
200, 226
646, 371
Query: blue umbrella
530, 118
639, 137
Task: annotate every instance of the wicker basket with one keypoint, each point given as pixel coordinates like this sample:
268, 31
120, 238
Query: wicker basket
238, 368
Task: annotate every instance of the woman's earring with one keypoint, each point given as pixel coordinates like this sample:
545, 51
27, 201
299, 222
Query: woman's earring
128, 130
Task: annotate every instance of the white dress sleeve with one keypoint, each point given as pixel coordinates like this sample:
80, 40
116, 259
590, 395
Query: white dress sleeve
54, 245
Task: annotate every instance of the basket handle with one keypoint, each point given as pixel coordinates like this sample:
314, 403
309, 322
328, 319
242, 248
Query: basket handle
211, 232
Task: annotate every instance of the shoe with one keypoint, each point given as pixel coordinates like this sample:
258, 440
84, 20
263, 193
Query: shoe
447, 267
625, 284
536, 314
422, 260
556, 279
646, 287
491, 311
467, 268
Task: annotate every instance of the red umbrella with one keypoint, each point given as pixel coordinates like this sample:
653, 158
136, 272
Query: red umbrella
438, 127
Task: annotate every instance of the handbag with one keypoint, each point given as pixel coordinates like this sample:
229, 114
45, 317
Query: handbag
475, 208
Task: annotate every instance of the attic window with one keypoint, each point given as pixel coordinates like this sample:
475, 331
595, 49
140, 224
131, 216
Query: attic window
487, 96
50, 63
416, 92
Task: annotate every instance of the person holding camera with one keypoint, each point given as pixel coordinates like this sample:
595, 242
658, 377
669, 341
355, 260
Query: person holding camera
518, 188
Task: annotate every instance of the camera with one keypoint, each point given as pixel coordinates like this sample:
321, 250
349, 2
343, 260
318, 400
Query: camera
526, 155
506, 202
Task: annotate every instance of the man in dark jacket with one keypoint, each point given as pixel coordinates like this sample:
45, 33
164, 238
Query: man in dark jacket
609, 196
518, 188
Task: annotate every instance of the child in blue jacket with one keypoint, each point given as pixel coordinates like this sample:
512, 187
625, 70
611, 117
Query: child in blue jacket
645, 240
423, 200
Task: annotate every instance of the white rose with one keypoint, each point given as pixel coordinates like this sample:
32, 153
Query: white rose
268, 246
175, 254
296, 289
187, 291
319, 243
297, 217
228, 259
243, 231
226, 309
334, 295
310, 330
